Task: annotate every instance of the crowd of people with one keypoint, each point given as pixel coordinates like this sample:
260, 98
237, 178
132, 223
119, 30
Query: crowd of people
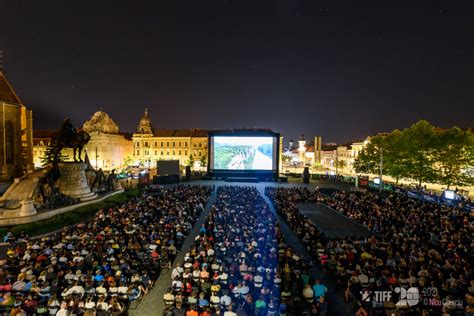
240, 265
100, 266
414, 244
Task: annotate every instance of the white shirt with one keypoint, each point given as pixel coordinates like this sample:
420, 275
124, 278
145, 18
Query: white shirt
226, 300
176, 272
258, 279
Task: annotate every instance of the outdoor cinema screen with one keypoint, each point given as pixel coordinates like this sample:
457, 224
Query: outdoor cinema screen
243, 153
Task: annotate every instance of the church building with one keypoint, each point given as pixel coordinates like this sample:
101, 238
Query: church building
16, 133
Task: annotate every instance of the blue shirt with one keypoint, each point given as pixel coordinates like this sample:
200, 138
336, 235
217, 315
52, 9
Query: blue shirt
203, 302
319, 290
99, 278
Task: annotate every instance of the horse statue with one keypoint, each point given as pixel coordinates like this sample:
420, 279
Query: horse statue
69, 137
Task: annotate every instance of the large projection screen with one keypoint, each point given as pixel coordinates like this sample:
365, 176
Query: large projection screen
243, 153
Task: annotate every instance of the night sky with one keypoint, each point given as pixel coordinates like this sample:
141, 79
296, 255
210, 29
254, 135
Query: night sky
339, 71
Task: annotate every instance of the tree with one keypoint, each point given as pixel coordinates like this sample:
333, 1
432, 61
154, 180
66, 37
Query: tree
420, 142
190, 161
395, 155
341, 164
127, 161
49, 153
203, 161
368, 160
422, 153
285, 158
454, 157
317, 166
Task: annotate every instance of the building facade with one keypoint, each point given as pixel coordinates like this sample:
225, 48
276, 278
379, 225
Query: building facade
16, 133
342, 156
107, 149
185, 145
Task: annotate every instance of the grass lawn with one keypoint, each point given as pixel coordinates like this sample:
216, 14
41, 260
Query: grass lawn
69, 218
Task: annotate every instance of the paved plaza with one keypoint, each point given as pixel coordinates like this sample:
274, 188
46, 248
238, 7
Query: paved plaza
332, 223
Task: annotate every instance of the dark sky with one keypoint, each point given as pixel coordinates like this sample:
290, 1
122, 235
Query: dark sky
340, 71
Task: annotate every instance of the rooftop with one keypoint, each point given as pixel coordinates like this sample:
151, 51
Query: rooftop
7, 94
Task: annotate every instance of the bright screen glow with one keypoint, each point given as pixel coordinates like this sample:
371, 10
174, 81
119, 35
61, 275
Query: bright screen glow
243, 153
377, 180
449, 194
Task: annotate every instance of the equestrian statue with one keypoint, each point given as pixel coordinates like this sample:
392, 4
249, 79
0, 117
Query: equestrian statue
69, 137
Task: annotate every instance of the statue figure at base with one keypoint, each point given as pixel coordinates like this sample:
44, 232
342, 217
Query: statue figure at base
69, 137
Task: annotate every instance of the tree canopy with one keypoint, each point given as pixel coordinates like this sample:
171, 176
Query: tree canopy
422, 153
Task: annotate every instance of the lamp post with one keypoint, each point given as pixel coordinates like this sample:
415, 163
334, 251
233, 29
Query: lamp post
381, 169
96, 158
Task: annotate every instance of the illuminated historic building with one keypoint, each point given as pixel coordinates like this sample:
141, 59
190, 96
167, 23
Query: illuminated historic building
344, 156
16, 133
107, 149
150, 145
298, 155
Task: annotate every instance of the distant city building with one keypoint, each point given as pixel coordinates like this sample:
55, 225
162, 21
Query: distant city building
298, 155
344, 155
16, 133
326, 155
150, 145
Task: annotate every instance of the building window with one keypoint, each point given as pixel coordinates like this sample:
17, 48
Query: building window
162, 153
199, 153
138, 144
174, 144
194, 145
167, 144
146, 144
161, 144
156, 152
200, 144
156, 144
167, 153
185, 144
174, 153
138, 152
179, 144
185, 152
179, 152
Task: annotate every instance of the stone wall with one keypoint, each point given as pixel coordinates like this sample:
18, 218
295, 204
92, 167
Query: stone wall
14, 154
16, 219
108, 151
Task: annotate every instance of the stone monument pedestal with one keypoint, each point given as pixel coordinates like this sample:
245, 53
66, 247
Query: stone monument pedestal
73, 181
27, 208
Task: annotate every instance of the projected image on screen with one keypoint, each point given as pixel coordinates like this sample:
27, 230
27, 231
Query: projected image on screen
243, 153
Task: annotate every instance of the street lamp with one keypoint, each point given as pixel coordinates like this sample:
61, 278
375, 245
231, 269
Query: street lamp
96, 158
381, 169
